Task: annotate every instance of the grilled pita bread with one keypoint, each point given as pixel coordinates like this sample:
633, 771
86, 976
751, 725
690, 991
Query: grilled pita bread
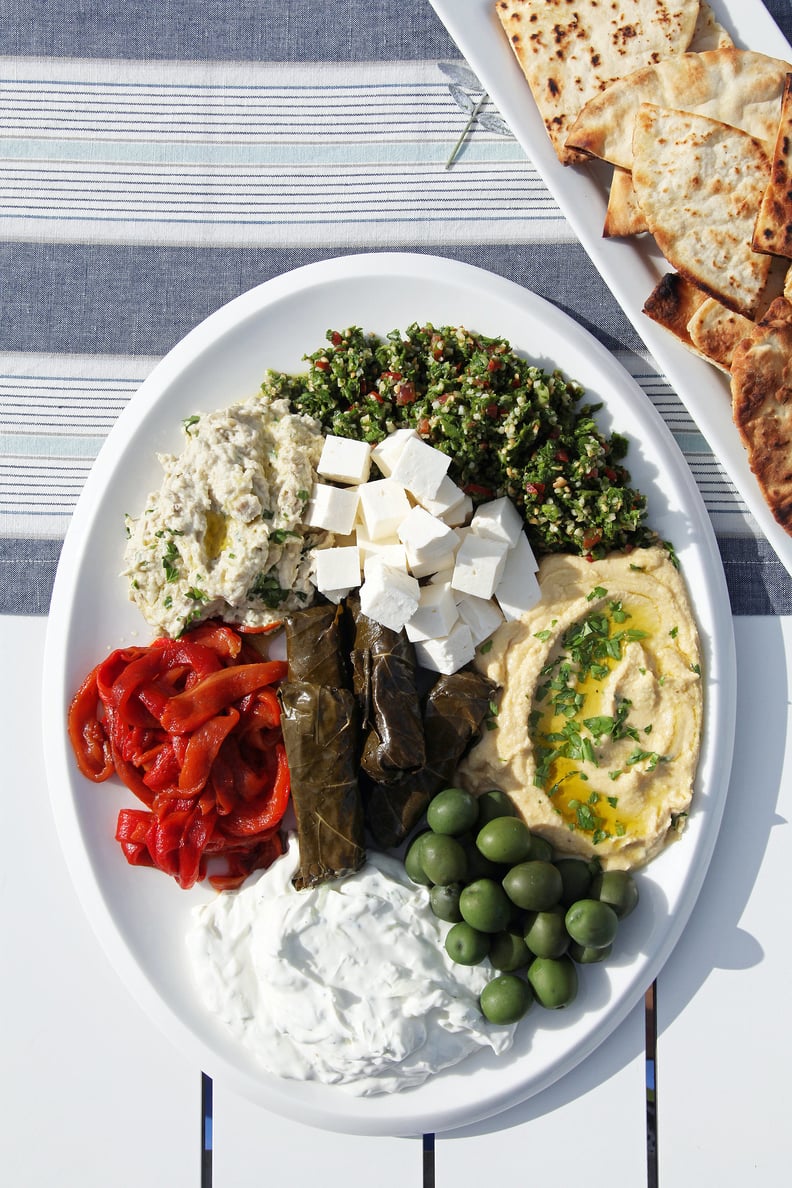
705, 326
672, 303
773, 230
715, 331
709, 34
699, 184
761, 388
623, 216
569, 50
736, 87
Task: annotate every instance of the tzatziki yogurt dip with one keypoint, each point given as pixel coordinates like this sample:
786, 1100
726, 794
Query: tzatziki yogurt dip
346, 983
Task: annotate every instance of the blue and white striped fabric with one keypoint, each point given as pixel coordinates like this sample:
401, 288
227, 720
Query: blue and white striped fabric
157, 160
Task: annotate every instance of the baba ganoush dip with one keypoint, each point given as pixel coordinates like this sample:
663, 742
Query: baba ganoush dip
223, 535
347, 983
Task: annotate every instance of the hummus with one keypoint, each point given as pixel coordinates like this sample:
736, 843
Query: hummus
597, 732
223, 535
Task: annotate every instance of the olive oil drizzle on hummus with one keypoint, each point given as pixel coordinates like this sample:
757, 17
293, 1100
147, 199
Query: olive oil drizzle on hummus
567, 724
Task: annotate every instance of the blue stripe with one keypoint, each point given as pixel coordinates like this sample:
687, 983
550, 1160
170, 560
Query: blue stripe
692, 443
314, 154
142, 299
28, 445
226, 30
334, 217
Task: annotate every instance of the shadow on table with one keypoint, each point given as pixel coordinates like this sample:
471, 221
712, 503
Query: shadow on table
713, 938
615, 1053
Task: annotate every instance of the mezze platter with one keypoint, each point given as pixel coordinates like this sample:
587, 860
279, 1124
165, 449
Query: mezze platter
140, 917
630, 267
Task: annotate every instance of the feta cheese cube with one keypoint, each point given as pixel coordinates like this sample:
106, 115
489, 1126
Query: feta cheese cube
498, 519
388, 595
385, 452
344, 460
518, 589
332, 508
428, 541
391, 555
436, 613
448, 496
420, 468
447, 653
427, 569
482, 615
337, 570
383, 506
480, 563
391, 550
460, 513
443, 575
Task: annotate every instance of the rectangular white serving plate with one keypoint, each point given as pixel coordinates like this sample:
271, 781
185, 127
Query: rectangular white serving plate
630, 267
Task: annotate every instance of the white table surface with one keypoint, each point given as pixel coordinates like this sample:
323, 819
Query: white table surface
93, 1095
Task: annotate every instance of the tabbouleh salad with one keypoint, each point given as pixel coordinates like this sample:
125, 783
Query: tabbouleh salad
510, 428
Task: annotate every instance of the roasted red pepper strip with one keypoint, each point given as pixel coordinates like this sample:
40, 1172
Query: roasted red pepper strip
265, 812
192, 727
201, 751
88, 737
190, 709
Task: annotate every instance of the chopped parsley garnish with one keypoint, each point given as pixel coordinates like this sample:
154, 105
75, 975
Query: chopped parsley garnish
169, 560
564, 736
267, 588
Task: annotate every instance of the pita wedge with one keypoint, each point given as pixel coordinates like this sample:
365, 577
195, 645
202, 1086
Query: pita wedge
702, 324
736, 87
672, 303
699, 184
715, 332
623, 216
569, 50
709, 34
761, 388
773, 230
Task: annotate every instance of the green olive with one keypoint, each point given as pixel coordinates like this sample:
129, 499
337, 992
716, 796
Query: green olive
541, 850
534, 885
505, 999
445, 902
618, 889
443, 859
466, 945
554, 981
485, 905
505, 839
454, 811
508, 951
575, 879
412, 861
494, 803
584, 955
591, 923
546, 934
480, 867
